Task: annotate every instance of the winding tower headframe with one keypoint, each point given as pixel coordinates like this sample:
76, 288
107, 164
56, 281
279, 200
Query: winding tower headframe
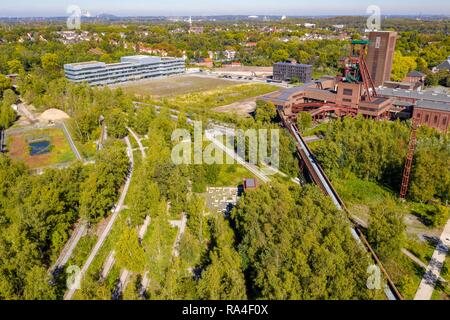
355, 68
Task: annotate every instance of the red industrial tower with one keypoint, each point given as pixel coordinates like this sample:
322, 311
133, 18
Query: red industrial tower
355, 69
409, 161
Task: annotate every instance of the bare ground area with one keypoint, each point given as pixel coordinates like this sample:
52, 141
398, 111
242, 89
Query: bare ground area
243, 108
177, 85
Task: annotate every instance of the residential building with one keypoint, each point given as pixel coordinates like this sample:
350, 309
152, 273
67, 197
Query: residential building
286, 71
129, 69
415, 76
443, 66
309, 25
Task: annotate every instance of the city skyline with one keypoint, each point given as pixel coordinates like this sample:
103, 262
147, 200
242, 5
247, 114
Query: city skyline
52, 8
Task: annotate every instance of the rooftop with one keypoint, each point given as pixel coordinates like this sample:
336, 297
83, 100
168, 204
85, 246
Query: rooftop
412, 94
293, 64
441, 106
138, 59
416, 73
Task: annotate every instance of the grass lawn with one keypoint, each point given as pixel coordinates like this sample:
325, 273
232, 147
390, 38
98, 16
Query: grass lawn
87, 149
318, 129
406, 275
359, 195
171, 86
232, 175
60, 151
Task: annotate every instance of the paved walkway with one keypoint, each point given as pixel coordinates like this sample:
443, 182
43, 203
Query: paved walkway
433, 271
139, 142
123, 281
181, 224
311, 139
69, 294
107, 266
250, 167
70, 245
22, 109
144, 227
71, 143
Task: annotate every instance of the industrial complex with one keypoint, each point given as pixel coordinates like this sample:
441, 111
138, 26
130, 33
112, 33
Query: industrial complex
129, 69
364, 88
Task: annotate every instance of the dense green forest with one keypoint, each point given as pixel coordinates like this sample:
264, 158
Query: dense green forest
282, 241
37, 213
376, 151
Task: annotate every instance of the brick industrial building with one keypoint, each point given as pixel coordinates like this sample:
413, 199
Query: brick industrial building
364, 88
287, 71
381, 55
431, 109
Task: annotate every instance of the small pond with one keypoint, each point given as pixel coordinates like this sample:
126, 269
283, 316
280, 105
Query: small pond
39, 147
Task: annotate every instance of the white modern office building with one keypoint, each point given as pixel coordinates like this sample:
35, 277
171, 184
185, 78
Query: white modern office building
128, 69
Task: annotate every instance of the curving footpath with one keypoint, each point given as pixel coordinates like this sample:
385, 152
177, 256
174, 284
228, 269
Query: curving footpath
69, 294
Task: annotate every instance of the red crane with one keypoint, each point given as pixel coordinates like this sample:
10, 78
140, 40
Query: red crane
409, 161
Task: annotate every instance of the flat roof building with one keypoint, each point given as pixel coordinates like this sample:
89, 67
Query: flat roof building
129, 68
286, 71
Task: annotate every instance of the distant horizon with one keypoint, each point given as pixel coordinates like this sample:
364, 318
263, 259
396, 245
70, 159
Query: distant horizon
233, 15
173, 8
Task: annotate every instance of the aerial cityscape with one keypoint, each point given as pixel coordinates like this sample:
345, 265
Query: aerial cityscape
231, 152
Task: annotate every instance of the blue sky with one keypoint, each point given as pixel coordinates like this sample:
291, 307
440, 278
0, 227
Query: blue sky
24, 8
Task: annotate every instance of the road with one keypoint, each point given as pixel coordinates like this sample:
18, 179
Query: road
433, 271
139, 142
69, 294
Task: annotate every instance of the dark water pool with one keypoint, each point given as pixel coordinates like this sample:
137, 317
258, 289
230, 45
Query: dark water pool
39, 147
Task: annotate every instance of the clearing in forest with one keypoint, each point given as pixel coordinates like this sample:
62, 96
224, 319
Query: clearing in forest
39, 148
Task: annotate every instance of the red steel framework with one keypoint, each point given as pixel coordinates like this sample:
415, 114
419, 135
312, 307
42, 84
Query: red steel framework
409, 161
358, 60
355, 71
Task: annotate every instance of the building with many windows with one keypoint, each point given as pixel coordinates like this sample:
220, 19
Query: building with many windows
128, 69
287, 71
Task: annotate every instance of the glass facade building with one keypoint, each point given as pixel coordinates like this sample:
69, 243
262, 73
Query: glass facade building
129, 68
